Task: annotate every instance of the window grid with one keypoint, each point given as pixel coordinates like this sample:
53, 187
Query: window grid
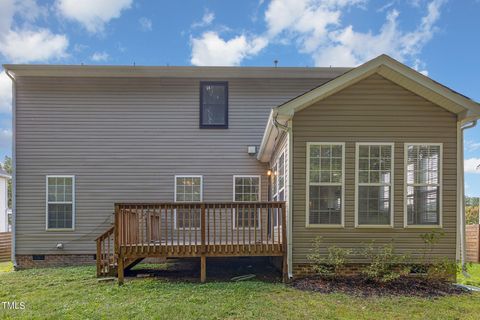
374, 176
188, 189
278, 184
423, 184
325, 182
246, 217
60, 205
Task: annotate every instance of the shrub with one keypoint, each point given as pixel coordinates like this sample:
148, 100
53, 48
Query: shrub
332, 264
430, 239
442, 270
384, 265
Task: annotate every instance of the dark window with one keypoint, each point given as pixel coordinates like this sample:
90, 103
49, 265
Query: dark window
38, 257
213, 105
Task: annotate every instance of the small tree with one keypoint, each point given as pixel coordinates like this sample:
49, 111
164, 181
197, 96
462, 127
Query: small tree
7, 166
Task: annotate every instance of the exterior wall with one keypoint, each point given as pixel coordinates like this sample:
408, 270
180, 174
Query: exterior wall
3, 205
374, 110
124, 139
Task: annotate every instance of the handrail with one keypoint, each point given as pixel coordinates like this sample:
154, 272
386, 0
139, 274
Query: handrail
195, 228
106, 255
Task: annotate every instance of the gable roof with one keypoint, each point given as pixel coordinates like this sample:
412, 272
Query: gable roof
387, 67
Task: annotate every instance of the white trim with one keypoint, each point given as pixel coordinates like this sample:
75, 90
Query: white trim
290, 200
259, 199
276, 181
175, 197
439, 184
391, 184
73, 202
307, 188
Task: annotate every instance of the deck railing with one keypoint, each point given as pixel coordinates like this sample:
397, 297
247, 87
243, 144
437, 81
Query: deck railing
192, 229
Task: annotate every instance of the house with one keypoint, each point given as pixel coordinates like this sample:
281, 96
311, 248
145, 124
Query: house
4, 210
233, 161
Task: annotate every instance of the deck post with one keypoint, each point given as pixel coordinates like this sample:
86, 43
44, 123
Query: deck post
99, 257
203, 258
121, 269
284, 244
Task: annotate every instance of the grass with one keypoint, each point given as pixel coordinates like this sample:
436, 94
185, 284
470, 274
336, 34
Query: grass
474, 272
74, 292
6, 267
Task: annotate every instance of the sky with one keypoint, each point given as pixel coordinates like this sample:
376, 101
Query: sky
439, 38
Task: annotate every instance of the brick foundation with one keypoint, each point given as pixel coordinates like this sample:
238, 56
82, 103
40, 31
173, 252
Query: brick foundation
54, 260
305, 269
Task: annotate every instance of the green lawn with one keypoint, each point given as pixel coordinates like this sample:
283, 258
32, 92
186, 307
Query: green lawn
6, 266
75, 293
474, 272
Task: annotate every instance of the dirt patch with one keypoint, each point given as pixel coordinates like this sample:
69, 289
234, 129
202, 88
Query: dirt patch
217, 269
358, 286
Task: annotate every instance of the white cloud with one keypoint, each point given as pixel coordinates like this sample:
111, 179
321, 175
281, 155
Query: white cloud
472, 165
145, 24
33, 45
99, 56
207, 19
26, 43
5, 93
92, 14
211, 50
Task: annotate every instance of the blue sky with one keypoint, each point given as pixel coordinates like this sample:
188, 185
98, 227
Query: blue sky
437, 37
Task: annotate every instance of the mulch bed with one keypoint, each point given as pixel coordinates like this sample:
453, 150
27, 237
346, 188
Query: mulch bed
358, 286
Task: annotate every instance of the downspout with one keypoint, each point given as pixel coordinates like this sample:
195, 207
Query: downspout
288, 130
14, 169
461, 191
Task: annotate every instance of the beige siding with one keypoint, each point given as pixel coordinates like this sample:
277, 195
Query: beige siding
124, 139
373, 110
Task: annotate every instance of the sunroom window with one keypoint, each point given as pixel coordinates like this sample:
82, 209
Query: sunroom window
188, 189
374, 184
325, 162
247, 189
423, 184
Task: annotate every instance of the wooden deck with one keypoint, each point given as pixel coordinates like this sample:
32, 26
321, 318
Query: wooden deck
177, 230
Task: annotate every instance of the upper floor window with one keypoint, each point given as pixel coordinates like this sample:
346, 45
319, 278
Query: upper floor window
423, 163
213, 105
60, 202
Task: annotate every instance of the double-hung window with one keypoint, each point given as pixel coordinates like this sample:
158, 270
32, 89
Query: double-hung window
423, 164
60, 202
188, 189
246, 189
325, 184
374, 176
278, 184
214, 104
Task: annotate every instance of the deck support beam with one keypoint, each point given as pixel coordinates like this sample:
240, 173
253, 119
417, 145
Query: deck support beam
203, 268
121, 269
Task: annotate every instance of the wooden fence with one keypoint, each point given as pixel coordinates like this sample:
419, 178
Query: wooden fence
5, 246
473, 243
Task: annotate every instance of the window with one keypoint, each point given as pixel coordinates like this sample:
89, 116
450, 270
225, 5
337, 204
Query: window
188, 189
423, 184
278, 184
60, 202
247, 189
325, 184
374, 176
213, 105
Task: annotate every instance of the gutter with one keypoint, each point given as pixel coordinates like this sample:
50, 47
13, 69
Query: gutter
14, 169
460, 190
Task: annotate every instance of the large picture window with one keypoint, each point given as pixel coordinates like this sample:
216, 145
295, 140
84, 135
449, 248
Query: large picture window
188, 189
213, 105
60, 202
423, 184
246, 189
325, 184
374, 170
